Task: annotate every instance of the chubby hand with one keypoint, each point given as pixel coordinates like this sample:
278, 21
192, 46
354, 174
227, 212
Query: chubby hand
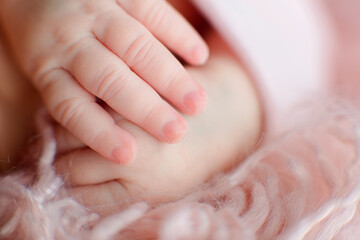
222, 136
79, 51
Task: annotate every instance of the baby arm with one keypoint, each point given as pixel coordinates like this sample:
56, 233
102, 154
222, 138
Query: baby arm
78, 51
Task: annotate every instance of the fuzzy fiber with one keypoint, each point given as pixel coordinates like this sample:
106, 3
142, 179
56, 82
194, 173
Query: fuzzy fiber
303, 185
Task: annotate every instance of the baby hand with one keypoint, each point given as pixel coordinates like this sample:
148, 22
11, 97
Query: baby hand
79, 51
218, 139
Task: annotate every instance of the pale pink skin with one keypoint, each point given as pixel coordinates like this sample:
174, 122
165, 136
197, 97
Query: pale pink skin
75, 51
226, 132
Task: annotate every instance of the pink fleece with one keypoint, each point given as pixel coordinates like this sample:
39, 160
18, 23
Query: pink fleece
304, 185
287, 45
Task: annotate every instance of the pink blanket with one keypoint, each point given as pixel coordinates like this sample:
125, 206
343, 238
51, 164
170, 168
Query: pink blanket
287, 45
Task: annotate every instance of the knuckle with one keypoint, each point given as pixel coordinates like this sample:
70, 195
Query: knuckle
91, 7
97, 137
69, 112
112, 83
63, 35
156, 16
140, 51
138, 8
175, 77
151, 113
76, 49
70, 39
42, 78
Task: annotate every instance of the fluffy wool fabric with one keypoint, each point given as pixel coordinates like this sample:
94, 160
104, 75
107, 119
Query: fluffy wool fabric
303, 185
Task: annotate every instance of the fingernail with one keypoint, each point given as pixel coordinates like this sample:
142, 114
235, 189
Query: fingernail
196, 101
174, 131
123, 154
200, 54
